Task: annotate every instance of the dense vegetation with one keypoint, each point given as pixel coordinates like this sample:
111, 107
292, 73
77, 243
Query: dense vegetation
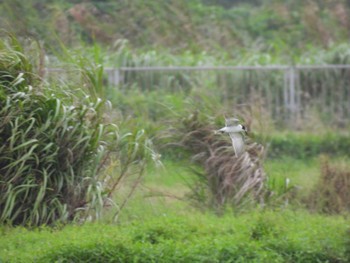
56, 143
256, 237
50, 152
224, 26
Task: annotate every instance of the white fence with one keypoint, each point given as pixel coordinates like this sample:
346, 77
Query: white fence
289, 92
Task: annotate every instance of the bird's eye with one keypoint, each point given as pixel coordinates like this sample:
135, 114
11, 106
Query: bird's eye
243, 127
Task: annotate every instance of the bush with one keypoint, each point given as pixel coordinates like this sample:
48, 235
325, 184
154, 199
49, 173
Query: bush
331, 193
51, 153
306, 145
282, 236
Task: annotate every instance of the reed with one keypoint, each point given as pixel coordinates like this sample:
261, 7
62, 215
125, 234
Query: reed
56, 151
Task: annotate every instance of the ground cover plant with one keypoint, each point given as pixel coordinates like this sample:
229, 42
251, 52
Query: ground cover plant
281, 236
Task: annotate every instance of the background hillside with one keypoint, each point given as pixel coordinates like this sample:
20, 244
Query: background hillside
227, 26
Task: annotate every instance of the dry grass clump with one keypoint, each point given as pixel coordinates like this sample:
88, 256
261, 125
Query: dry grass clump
332, 193
226, 179
230, 178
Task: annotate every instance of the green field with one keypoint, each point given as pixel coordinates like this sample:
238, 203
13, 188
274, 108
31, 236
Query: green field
159, 225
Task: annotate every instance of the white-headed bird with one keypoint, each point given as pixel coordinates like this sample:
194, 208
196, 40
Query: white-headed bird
236, 131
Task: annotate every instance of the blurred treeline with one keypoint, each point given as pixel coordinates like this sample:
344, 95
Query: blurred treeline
228, 26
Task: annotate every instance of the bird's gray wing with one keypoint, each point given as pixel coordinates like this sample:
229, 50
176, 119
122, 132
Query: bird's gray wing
231, 121
237, 142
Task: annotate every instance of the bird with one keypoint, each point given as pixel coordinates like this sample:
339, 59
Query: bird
236, 131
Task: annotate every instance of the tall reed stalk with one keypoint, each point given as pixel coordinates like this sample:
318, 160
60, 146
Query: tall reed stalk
53, 154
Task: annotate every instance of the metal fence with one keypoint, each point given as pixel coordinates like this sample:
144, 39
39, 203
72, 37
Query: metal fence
287, 92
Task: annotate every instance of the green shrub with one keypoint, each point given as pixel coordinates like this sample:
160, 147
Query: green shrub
281, 236
305, 145
51, 153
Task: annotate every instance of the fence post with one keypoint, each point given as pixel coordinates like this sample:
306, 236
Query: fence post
286, 95
116, 77
113, 76
293, 111
292, 91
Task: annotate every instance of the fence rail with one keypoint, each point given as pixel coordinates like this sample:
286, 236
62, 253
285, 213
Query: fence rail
289, 92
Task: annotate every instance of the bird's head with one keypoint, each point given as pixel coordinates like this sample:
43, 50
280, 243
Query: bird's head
244, 129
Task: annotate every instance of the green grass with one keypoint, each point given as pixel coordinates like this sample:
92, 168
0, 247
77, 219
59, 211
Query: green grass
159, 225
162, 191
281, 236
170, 174
167, 189
301, 173
176, 175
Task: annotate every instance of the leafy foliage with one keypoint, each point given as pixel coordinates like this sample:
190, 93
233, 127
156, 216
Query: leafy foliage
281, 236
51, 153
306, 145
55, 147
183, 25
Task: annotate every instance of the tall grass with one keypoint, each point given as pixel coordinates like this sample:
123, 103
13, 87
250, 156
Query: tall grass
54, 154
51, 152
331, 192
